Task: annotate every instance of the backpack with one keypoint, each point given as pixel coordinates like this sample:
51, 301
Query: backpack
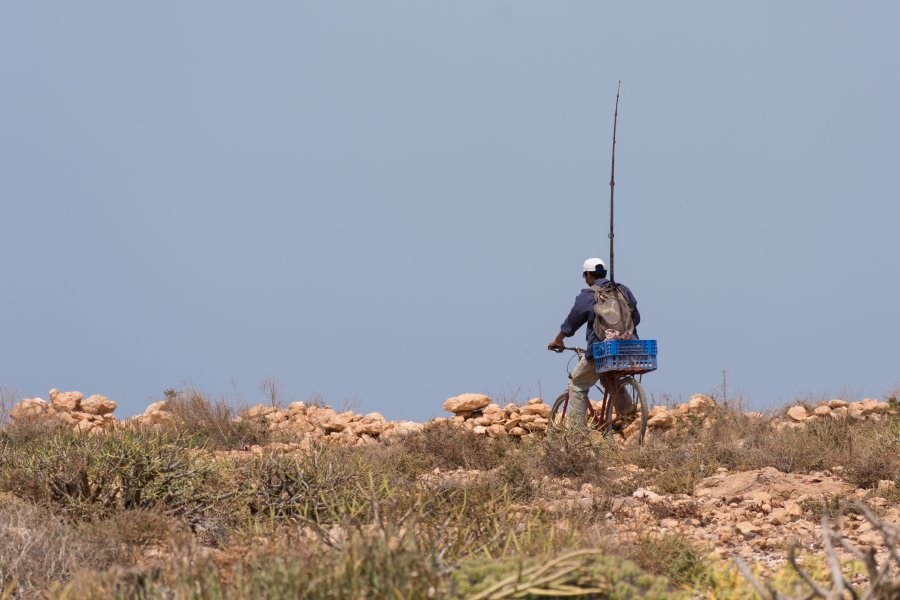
612, 313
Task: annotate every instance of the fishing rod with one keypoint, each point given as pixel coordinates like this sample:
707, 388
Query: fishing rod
612, 188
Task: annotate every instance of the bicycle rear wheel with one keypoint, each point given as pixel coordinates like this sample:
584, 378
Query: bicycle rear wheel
638, 399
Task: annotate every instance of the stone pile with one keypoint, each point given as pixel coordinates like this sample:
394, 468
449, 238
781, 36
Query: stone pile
302, 421
866, 410
86, 415
662, 418
477, 413
701, 409
324, 423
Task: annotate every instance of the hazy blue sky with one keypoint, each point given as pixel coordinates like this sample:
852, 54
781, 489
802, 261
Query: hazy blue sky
388, 203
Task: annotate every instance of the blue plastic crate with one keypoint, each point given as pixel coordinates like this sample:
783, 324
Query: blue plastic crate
625, 356
620, 347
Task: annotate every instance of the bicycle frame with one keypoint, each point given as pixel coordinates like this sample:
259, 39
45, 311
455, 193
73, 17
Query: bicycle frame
605, 385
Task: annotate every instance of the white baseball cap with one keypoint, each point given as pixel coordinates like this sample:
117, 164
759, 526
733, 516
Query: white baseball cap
591, 264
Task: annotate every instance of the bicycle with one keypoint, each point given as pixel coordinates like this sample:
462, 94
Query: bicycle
611, 381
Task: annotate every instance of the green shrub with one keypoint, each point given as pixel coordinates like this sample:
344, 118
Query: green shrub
671, 555
91, 476
584, 573
325, 485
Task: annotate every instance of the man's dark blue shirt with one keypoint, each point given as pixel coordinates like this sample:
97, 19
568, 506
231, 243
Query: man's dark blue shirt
583, 312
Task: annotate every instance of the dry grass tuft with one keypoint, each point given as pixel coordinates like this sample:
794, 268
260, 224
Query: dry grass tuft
575, 453
212, 422
447, 446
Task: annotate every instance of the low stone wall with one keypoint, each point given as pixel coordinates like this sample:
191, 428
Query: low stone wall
475, 412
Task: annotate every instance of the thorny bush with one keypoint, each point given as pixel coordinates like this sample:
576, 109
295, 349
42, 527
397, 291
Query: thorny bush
89, 476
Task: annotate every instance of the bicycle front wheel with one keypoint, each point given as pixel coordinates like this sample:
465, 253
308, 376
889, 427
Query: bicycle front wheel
635, 392
558, 412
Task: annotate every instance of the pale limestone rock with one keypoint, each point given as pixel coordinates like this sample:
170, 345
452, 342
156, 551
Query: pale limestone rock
279, 416
67, 401
822, 411
631, 428
512, 423
97, 405
516, 431
370, 425
837, 403
657, 410
856, 411
157, 406
645, 494
533, 401
736, 486
701, 402
345, 417
479, 429
52, 394
793, 508
482, 421
496, 430
661, 421
797, 413
495, 417
542, 410
320, 416
669, 523
297, 407
333, 425
260, 410
29, 407
871, 538
66, 418
778, 516
870, 405
760, 496
747, 529
465, 402
158, 417
492, 408
84, 426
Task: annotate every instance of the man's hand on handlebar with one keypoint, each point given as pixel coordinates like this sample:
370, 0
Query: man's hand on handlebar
557, 345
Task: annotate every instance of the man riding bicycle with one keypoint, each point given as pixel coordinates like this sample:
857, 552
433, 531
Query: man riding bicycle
585, 375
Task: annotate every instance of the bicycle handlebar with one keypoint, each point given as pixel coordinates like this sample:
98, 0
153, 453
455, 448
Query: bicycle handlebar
578, 351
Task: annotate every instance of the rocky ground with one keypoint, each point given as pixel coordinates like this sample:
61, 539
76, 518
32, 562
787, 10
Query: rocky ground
748, 513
